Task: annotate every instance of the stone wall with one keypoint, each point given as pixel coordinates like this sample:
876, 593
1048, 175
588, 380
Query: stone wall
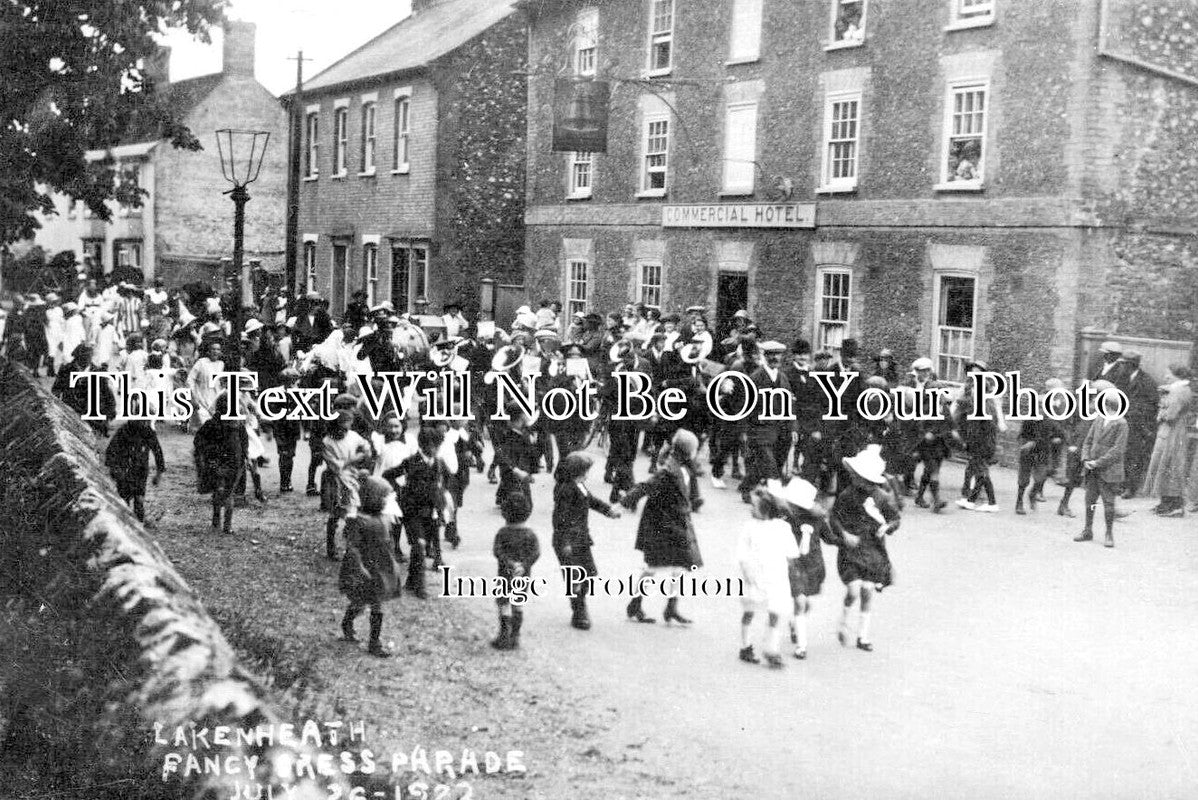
124, 642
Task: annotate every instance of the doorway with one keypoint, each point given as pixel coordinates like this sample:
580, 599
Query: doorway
732, 294
337, 293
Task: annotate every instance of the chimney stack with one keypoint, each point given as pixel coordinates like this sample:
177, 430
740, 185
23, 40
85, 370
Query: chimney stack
239, 48
156, 69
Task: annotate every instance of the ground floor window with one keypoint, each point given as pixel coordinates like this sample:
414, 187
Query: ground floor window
370, 272
649, 282
835, 299
126, 253
409, 275
93, 255
310, 266
956, 323
577, 280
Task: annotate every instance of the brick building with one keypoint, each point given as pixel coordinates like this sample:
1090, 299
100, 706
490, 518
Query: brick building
185, 223
412, 168
997, 179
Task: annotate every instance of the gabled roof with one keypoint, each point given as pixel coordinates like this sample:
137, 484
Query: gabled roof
181, 98
415, 41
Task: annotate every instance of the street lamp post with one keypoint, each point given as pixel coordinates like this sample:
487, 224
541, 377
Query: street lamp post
241, 154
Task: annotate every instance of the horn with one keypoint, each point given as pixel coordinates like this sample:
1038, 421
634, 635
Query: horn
501, 355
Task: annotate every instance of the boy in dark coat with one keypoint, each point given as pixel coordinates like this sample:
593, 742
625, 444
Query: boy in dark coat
517, 454
1038, 440
220, 448
516, 549
369, 574
421, 499
128, 459
1102, 455
572, 504
287, 435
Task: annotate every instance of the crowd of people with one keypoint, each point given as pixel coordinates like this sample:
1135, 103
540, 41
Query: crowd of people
386, 479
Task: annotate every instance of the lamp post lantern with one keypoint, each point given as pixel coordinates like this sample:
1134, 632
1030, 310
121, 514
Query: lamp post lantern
241, 154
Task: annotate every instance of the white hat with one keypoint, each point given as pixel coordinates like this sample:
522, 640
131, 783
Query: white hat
1110, 347
71, 306
365, 330
280, 302
772, 347
798, 492
312, 296
253, 324
868, 464
922, 363
290, 323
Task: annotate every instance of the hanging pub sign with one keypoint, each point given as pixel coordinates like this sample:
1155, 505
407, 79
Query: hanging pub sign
580, 115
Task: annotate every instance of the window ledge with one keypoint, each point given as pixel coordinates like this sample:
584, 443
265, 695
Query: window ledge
370, 173
400, 171
960, 186
658, 73
340, 175
968, 24
845, 189
735, 193
733, 62
845, 44
310, 178
649, 193
575, 197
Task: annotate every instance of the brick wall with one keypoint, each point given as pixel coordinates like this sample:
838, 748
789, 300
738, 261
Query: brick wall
192, 216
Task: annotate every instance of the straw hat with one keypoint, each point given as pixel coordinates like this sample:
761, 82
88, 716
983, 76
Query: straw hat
921, 363
253, 325
868, 464
798, 492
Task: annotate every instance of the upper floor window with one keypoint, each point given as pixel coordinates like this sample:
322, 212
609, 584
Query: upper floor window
965, 138
368, 138
971, 13
841, 135
128, 181
740, 148
312, 155
586, 42
340, 141
582, 174
661, 36
403, 112
656, 155
746, 31
848, 22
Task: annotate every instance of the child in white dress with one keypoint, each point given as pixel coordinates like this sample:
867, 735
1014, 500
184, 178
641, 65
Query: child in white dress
766, 544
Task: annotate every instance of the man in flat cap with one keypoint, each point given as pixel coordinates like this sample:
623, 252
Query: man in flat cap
1109, 368
1143, 400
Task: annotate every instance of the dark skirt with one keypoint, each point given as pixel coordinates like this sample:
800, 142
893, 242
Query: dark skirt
807, 572
868, 561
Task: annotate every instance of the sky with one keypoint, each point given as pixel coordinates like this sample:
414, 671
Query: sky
325, 30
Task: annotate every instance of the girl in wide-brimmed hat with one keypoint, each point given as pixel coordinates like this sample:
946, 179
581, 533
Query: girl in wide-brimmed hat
865, 512
808, 523
666, 534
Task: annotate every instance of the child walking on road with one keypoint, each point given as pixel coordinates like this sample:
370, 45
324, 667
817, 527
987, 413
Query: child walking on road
763, 550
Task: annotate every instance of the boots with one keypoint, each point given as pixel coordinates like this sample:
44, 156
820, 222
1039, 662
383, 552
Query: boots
517, 623
672, 615
347, 623
634, 610
937, 504
376, 648
330, 540
923, 485
504, 640
580, 619
1110, 538
285, 467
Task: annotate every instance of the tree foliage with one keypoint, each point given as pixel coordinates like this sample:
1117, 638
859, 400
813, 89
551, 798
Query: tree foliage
73, 80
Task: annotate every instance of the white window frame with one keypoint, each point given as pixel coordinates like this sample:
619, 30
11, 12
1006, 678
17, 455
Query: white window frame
134, 246
950, 183
643, 287
940, 359
835, 43
370, 271
413, 280
661, 36
580, 164
649, 121
744, 33
734, 179
967, 14
369, 117
341, 140
586, 42
823, 323
572, 302
312, 131
828, 183
310, 265
402, 146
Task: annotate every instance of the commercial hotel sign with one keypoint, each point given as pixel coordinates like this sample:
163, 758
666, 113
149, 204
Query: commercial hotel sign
740, 215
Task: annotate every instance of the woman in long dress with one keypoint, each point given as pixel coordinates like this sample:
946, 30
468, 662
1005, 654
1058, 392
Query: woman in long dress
1166, 477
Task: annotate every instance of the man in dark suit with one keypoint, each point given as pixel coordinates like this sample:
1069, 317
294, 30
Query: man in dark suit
1109, 367
1102, 456
1141, 421
766, 442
